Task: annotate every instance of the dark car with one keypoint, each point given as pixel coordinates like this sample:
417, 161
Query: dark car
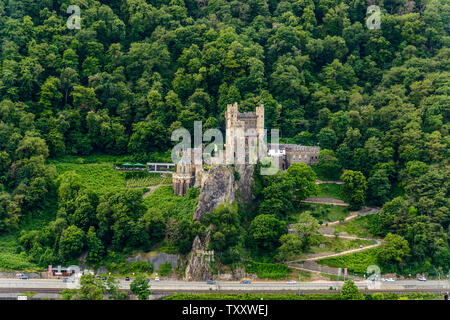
127, 279
210, 282
103, 278
246, 282
22, 277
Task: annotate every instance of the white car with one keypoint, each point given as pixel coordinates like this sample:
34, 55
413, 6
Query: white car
422, 279
291, 281
390, 279
157, 279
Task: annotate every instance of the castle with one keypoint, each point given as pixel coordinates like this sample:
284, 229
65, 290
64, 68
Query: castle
244, 134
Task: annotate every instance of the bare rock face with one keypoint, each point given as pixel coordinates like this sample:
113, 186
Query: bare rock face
198, 268
217, 188
220, 186
244, 185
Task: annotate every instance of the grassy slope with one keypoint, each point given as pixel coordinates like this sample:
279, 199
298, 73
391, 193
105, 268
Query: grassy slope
355, 262
170, 204
330, 190
333, 244
10, 257
98, 177
359, 227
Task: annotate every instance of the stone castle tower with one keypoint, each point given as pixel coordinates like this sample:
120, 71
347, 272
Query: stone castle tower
244, 131
188, 173
244, 144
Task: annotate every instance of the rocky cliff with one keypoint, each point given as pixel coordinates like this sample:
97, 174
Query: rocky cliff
221, 185
198, 268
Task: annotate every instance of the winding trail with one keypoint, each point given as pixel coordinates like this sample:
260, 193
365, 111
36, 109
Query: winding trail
309, 262
326, 200
151, 189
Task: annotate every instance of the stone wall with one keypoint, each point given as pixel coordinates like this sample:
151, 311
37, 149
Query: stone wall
158, 260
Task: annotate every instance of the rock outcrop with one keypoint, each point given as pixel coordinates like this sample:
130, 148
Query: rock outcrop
217, 188
198, 268
221, 185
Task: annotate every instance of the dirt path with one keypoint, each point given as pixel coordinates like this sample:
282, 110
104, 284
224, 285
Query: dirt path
153, 188
335, 182
366, 211
309, 262
325, 255
325, 200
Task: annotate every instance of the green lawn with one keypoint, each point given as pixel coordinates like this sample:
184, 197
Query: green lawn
327, 212
330, 190
359, 227
355, 262
333, 244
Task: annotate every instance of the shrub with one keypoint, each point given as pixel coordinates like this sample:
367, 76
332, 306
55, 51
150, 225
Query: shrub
267, 270
141, 266
165, 269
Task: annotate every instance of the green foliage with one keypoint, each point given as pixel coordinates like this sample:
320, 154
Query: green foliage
332, 190
354, 188
71, 243
91, 288
293, 296
326, 212
101, 178
349, 291
164, 200
138, 70
328, 166
141, 267
393, 251
265, 231
356, 262
307, 229
152, 180
165, 269
267, 270
10, 259
225, 226
140, 288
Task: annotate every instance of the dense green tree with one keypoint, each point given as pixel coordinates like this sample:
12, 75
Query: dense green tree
140, 288
328, 165
378, 187
265, 230
354, 188
71, 243
307, 229
304, 179
349, 291
393, 251
90, 289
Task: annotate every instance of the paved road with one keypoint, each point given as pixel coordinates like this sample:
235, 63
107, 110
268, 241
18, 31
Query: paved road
183, 286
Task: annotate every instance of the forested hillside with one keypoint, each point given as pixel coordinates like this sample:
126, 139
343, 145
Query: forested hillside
375, 100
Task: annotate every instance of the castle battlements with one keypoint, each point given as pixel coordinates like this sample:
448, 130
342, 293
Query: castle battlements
244, 134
